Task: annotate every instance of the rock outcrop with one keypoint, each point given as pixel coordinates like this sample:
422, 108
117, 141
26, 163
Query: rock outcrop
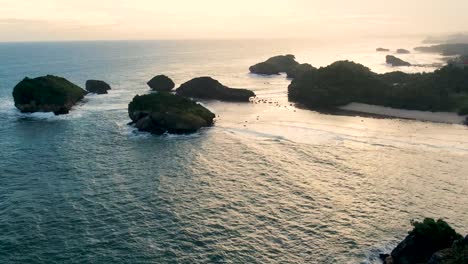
164, 112
275, 65
457, 254
209, 88
161, 83
97, 87
47, 94
403, 51
432, 242
298, 70
382, 50
396, 62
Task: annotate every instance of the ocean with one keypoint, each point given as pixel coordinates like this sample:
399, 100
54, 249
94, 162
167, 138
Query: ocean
269, 183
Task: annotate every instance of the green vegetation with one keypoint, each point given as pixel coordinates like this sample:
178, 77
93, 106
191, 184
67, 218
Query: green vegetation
164, 112
344, 82
433, 235
46, 94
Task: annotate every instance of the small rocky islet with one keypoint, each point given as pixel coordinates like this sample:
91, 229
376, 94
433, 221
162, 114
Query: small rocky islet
47, 94
209, 88
161, 83
382, 50
163, 112
403, 51
396, 62
97, 86
275, 65
430, 242
281, 64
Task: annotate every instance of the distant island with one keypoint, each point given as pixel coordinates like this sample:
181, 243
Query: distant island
451, 49
396, 62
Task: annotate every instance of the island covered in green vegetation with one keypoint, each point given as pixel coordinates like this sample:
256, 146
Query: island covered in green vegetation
163, 112
344, 82
47, 94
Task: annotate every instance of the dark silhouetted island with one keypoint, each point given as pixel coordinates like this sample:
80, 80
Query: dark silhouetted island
161, 83
430, 242
209, 88
344, 82
396, 62
47, 94
275, 65
446, 49
382, 50
97, 87
163, 112
403, 51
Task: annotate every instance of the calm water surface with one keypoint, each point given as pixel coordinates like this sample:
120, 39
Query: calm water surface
266, 184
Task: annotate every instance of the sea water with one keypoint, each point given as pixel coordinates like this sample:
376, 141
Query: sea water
269, 183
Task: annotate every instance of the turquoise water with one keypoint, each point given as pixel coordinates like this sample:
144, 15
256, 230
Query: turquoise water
266, 184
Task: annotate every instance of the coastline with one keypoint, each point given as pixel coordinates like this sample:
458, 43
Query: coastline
388, 112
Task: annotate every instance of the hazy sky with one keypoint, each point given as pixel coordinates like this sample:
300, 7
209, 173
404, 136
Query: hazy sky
187, 19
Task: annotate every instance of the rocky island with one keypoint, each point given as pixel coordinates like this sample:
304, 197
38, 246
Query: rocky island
163, 112
97, 87
403, 51
430, 242
382, 50
47, 94
209, 88
344, 82
275, 65
161, 83
396, 62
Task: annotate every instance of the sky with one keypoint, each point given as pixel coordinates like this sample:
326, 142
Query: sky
51, 20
